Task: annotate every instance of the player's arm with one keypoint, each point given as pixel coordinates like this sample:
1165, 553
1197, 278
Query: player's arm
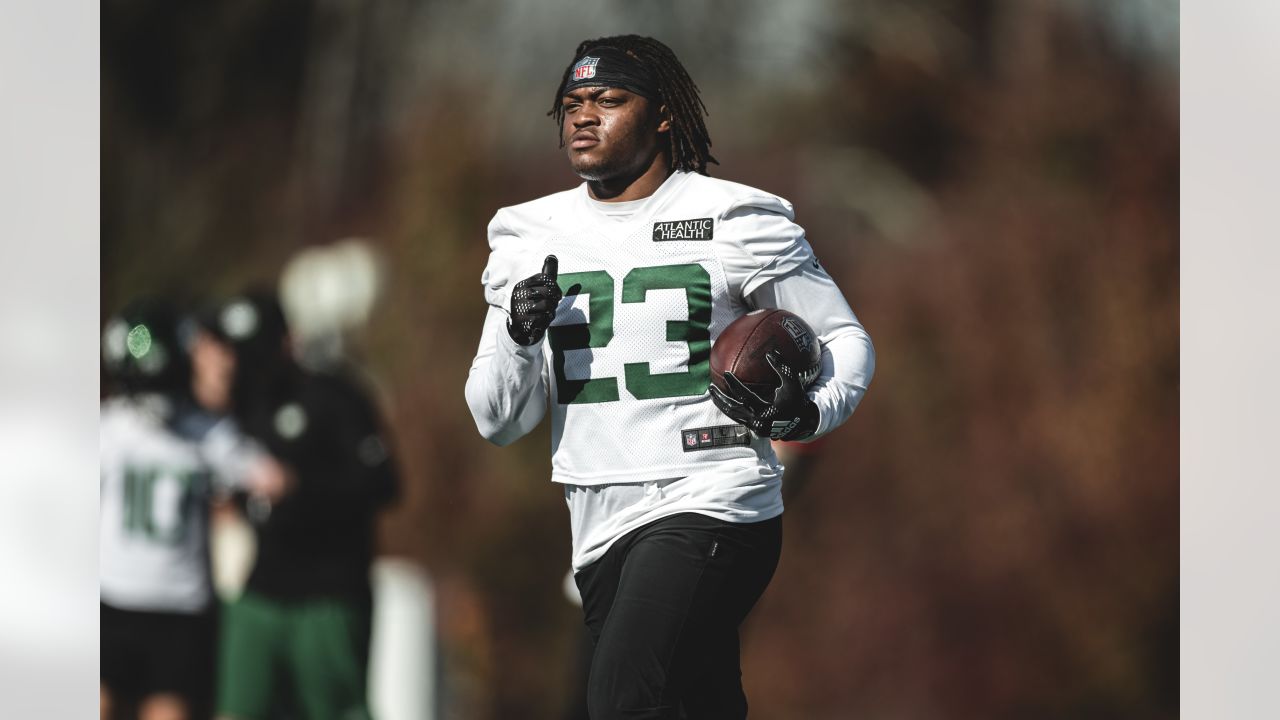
240, 464
506, 387
848, 357
770, 264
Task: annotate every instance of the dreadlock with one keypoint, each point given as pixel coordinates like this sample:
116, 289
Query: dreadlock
690, 142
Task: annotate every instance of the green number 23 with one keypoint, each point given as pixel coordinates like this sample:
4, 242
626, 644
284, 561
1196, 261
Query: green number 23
641, 381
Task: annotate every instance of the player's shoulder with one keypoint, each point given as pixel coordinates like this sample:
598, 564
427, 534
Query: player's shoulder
539, 212
115, 415
123, 411
113, 407
517, 236
127, 419
728, 197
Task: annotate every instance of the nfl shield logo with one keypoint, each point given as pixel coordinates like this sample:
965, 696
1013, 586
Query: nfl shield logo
690, 438
586, 68
798, 334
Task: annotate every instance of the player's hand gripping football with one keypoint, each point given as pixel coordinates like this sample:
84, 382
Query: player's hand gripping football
790, 415
533, 304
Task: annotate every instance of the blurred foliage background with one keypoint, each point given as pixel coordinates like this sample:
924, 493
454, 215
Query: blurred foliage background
993, 183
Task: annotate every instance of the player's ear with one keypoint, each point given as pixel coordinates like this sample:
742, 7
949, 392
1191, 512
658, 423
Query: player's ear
664, 119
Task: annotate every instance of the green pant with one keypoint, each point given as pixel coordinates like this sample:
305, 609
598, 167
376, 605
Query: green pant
310, 656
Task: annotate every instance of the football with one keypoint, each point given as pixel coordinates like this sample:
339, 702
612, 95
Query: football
741, 349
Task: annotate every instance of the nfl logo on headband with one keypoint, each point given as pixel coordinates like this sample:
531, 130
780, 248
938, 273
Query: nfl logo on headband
585, 68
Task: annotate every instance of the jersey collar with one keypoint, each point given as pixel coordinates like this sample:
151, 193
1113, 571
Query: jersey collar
644, 208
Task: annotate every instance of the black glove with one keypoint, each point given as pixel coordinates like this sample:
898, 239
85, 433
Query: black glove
790, 416
533, 304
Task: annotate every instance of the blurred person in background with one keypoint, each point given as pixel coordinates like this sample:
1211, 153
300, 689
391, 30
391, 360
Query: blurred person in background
162, 457
671, 547
298, 637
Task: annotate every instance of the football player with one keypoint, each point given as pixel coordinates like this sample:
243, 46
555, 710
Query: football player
605, 300
160, 456
298, 637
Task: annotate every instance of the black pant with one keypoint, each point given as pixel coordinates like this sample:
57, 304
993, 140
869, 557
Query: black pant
664, 605
145, 653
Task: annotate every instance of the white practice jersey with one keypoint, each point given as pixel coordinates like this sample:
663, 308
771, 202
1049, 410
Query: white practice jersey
648, 287
157, 473
628, 354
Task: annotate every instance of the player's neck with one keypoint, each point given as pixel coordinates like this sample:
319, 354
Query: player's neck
637, 187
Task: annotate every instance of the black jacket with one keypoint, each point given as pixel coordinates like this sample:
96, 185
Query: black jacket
318, 541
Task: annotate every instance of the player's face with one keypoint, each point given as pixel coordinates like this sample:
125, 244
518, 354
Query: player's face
213, 367
610, 133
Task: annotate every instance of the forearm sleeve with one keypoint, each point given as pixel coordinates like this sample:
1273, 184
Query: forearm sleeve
506, 388
848, 358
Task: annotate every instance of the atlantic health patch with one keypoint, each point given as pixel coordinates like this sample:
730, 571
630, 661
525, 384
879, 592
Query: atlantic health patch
696, 229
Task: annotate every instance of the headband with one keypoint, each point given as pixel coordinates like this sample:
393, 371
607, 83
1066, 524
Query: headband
606, 66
